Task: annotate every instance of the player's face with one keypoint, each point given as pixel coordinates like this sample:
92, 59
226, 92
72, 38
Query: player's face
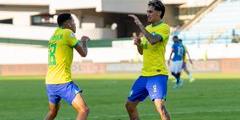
152, 15
175, 39
71, 25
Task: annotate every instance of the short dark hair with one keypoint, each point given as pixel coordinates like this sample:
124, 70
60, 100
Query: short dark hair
63, 18
158, 5
175, 37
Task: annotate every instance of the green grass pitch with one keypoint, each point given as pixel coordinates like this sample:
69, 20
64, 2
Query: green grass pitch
210, 97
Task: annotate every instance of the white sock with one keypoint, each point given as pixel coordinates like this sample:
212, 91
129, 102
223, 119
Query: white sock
190, 76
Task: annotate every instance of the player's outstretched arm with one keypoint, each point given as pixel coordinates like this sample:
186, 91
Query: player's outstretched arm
190, 60
140, 49
152, 39
82, 46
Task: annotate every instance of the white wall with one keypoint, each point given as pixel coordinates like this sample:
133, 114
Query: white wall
125, 6
25, 2
73, 4
26, 32
196, 3
119, 6
24, 54
19, 18
44, 33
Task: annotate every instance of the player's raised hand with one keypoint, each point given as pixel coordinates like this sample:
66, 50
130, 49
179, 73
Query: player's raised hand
136, 20
85, 39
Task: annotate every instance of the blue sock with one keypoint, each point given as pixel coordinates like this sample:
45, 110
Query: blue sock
177, 78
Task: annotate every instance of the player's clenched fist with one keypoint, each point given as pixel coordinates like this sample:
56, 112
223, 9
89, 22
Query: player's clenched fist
85, 39
137, 39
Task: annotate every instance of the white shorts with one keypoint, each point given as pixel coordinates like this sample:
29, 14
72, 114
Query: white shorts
176, 66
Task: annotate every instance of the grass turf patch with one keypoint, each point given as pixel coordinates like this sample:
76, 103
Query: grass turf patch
205, 99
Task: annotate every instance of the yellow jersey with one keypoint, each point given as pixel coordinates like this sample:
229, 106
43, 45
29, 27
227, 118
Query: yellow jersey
60, 56
185, 54
154, 55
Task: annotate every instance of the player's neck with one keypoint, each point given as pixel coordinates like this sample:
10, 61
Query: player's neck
62, 27
157, 22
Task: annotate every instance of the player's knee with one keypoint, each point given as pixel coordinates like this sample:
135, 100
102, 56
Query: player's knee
84, 110
160, 106
127, 105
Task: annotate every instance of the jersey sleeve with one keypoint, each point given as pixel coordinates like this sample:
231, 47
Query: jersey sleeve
71, 40
142, 39
164, 32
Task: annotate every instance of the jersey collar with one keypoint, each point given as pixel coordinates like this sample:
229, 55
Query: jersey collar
157, 23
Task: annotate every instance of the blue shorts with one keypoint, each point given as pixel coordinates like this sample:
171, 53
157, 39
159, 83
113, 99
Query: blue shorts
66, 91
154, 86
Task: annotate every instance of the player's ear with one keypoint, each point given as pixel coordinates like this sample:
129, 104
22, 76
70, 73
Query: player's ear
68, 24
64, 25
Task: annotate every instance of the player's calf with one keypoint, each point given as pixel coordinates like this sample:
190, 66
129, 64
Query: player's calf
81, 107
132, 110
162, 109
51, 115
164, 114
53, 110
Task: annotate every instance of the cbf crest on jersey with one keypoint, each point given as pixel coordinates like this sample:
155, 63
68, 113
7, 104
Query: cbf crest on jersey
72, 35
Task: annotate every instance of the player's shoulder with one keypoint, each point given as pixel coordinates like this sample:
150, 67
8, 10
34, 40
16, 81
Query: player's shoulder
164, 25
148, 26
175, 45
67, 31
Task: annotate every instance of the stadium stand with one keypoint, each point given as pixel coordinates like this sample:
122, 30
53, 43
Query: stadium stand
25, 44
216, 26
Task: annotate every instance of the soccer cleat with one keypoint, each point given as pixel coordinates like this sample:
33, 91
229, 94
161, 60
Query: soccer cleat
180, 83
175, 86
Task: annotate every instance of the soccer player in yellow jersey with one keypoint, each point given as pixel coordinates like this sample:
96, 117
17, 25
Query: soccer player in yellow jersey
152, 46
59, 83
